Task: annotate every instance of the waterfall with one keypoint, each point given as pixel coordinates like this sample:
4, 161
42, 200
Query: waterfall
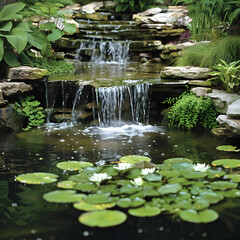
114, 102
76, 108
104, 51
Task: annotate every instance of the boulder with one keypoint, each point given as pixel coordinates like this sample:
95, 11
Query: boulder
223, 133
222, 100
234, 109
92, 7
26, 72
97, 16
201, 91
185, 72
232, 125
181, 9
158, 26
2, 101
200, 83
166, 17
11, 88
150, 12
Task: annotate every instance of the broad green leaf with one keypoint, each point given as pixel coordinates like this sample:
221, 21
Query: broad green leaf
204, 216
129, 189
215, 173
73, 165
133, 159
84, 206
18, 39
171, 161
37, 178
124, 202
145, 211
48, 26
227, 148
1, 48
234, 177
210, 196
227, 163
105, 218
22, 26
223, 185
100, 198
63, 196
233, 193
170, 188
153, 177
70, 28
6, 26
66, 184
86, 187
194, 175
55, 35
9, 12
25, 60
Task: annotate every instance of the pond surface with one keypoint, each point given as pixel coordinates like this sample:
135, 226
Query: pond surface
25, 215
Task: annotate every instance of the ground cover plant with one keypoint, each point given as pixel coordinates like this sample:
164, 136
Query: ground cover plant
135, 186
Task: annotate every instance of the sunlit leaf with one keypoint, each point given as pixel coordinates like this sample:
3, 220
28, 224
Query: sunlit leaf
169, 188
222, 185
227, 163
227, 148
37, 178
66, 184
134, 159
92, 207
145, 211
73, 165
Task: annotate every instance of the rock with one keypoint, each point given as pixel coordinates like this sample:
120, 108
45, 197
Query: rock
97, 16
90, 106
150, 12
222, 132
183, 21
222, 100
165, 56
11, 88
156, 60
182, 9
110, 5
143, 60
171, 47
131, 69
234, 109
232, 125
158, 26
201, 91
2, 101
185, 72
86, 116
26, 72
166, 18
200, 83
59, 55
69, 43
92, 7
146, 55
174, 54
9, 120
72, 8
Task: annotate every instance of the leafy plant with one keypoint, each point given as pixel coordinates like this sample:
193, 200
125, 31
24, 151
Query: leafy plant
135, 5
228, 74
30, 108
191, 111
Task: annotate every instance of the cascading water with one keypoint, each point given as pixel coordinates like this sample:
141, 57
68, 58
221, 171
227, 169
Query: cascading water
76, 108
115, 104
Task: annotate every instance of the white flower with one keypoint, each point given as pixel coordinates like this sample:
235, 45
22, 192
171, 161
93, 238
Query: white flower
146, 171
137, 181
123, 166
200, 167
99, 177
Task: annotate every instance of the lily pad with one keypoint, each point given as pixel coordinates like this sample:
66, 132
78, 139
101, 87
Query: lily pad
171, 161
37, 178
234, 177
127, 202
73, 165
105, 218
223, 185
227, 163
233, 193
92, 207
170, 188
66, 184
100, 198
133, 159
152, 177
194, 175
204, 216
63, 196
85, 187
210, 196
145, 211
228, 148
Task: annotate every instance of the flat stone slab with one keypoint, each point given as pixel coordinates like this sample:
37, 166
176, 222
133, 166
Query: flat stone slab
27, 73
232, 125
222, 100
11, 88
201, 91
234, 109
186, 72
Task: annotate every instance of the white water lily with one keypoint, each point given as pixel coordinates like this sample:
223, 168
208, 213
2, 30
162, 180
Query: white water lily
146, 171
200, 167
137, 181
99, 177
123, 166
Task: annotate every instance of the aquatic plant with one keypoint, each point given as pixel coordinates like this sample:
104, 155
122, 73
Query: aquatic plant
191, 111
227, 148
30, 108
174, 188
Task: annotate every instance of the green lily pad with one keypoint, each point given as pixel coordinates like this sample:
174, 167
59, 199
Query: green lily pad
150, 192
152, 177
228, 148
92, 207
37, 178
210, 196
204, 216
233, 193
129, 189
127, 202
66, 184
223, 185
227, 163
234, 177
145, 211
133, 159
63, 196
104, 218
170, 188
73, 165
215, 173
171, 161
194, 175
86, 187
99, 198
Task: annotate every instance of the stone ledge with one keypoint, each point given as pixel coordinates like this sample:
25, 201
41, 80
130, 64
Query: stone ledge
232, 125
11, 88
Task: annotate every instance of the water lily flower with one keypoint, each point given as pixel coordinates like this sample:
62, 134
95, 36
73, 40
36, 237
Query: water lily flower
123, 166
137, 181
200, 167
99, 177
146, 171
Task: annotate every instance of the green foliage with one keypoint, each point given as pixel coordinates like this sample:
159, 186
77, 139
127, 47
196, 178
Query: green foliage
135, 5
228, 74
210, 17
53, 66
191, 111
29, 107
208, 54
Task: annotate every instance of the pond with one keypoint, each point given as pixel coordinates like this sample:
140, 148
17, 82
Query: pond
25, 215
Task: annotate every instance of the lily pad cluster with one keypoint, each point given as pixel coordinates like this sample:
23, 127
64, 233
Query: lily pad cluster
140, 188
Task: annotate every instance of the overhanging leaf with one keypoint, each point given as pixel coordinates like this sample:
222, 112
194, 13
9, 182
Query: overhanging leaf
55, 35
18, 39
1, 49
9, 11
70, 28
6, 26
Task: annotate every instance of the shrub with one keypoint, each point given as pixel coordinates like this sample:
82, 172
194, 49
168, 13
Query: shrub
191, 111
